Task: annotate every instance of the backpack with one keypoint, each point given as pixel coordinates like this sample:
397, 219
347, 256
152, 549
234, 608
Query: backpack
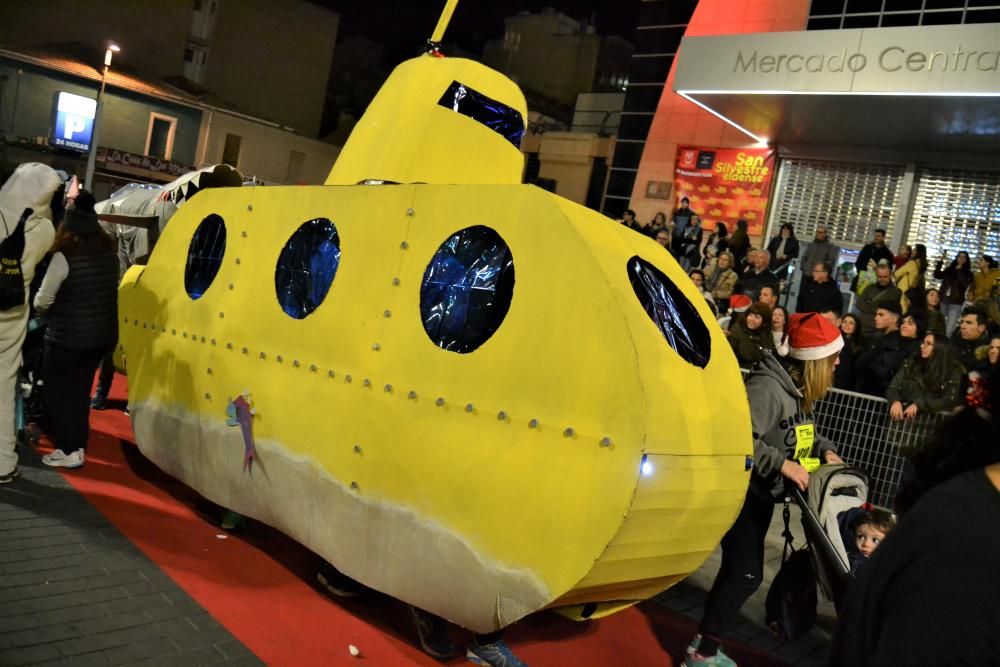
790, 607
11, 275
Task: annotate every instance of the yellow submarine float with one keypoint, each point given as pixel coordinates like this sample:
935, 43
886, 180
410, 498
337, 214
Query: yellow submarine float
462, 391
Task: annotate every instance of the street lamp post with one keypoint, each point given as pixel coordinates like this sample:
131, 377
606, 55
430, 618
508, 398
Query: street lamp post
92, 153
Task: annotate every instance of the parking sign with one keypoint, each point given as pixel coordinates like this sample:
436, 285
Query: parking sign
74, 121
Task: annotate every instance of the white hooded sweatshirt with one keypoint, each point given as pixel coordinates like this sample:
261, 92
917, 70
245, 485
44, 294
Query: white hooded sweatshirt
30, 186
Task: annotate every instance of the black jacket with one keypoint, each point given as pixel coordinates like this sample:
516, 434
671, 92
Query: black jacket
739, 245
880, 360
791, 252
750, 346
816, 297
84, 315
911, 385
871, 252
954, 284
843, 375
965, 350
750, 283
928, 595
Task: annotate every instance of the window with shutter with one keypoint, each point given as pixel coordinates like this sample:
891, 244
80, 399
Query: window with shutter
852, 200
956, 210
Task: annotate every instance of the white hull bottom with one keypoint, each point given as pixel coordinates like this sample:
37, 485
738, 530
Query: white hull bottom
379, 543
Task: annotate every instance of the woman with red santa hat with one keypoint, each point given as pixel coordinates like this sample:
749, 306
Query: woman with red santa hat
786, 445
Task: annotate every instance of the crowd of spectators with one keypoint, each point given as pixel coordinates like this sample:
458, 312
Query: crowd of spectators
912, 344
905, 341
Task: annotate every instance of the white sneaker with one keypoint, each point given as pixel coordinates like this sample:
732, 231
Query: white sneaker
60, 459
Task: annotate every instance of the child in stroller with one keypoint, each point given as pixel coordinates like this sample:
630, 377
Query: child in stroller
867, 528
836, 496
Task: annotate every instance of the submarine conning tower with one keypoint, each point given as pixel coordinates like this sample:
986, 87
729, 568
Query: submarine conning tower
438, 120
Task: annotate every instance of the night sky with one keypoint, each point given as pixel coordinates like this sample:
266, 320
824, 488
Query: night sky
403, 26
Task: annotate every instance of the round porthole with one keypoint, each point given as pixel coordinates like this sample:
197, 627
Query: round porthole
671, 312
306, 267
467, 289
204, 256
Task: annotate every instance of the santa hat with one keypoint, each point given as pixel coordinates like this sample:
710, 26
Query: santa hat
812, 336
740, 302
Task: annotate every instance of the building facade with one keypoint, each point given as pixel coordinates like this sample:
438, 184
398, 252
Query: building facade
150, 131
875, 125
662, 24
554, 58
214, 49
600, 113
571, 164
262, 150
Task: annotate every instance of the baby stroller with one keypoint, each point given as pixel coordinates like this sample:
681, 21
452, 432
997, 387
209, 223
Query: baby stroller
837, 493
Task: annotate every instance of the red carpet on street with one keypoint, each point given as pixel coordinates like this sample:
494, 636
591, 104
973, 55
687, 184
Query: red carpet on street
261, 586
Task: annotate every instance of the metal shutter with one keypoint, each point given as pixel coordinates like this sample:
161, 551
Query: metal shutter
956, 210
853, 200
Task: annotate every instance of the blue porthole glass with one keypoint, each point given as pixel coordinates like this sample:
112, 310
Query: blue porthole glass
467, 289
306, 267
502, 119
204, 256
671, 312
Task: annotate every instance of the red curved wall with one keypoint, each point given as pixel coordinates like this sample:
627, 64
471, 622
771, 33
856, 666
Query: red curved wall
680, 122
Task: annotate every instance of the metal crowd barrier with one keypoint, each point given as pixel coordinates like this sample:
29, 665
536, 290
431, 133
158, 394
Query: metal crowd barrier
868, 438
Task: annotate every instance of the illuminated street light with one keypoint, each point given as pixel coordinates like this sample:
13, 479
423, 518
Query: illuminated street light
92, 153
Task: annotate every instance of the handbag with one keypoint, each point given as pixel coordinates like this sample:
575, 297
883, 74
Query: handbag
790, 607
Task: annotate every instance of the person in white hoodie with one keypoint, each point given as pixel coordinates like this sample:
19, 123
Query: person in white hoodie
32, 185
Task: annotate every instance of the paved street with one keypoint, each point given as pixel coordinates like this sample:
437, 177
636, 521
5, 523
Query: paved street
810, 651
75, 591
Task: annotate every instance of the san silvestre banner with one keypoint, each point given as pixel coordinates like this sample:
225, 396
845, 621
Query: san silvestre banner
726, 184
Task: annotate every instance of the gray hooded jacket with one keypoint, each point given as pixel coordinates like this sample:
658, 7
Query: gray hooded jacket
778, 422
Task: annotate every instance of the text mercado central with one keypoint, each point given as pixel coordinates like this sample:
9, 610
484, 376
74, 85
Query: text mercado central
889, 59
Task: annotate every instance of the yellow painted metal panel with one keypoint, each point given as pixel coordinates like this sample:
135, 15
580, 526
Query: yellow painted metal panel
479, 486
406, 136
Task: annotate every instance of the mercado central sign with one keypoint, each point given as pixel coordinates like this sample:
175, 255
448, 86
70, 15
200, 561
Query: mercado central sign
963, 59
889, 59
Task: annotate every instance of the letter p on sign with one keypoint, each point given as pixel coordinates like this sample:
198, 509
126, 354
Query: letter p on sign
73, 125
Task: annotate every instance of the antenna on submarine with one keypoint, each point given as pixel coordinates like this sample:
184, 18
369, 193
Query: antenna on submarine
434, 43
